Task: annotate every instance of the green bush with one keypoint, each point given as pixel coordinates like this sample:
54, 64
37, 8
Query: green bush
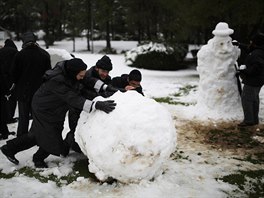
158, 56
159, 61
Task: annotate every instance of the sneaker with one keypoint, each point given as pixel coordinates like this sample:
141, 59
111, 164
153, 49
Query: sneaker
40, 164
9, 155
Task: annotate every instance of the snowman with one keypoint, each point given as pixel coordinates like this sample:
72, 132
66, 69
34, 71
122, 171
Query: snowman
218, 95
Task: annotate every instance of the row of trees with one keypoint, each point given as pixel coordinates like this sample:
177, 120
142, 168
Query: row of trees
180, 21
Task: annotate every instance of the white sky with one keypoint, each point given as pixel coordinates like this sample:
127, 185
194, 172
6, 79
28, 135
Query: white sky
194, 177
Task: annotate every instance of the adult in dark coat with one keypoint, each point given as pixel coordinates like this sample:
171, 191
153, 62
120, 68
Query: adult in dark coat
95, 83
7, 54
29, 66
253, 79
129, 81
49, 106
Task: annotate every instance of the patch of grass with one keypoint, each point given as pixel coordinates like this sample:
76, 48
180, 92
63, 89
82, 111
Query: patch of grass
6, 176
80, 169
250, 182
227, 136
184, 91
170, 100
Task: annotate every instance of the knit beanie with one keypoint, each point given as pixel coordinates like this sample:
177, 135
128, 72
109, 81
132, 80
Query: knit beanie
10, 43
135, 75
104, 63
74, 66
28, 37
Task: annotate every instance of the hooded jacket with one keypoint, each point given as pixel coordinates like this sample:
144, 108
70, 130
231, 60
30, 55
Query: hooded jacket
122, 82
50, 104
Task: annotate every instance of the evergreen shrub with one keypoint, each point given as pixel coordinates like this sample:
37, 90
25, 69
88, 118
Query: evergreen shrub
157, 57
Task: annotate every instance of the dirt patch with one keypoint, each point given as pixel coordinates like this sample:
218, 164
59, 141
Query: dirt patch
222, 136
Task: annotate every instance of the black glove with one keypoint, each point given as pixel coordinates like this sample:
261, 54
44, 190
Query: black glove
235, 43
106, 106
111, 88
122, 90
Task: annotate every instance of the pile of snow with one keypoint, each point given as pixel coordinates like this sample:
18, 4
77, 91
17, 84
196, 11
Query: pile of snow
218, 94
57, 55
144, 49
129, 144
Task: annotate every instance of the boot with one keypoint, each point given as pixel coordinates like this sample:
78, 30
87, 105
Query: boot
9, 155
40, 164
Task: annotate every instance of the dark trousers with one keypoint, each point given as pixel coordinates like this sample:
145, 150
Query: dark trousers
24, 111
250, 104
25, 142
3, 126
11, 107
73, 117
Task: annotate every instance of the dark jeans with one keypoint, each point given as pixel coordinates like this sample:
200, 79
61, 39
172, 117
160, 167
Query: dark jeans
25, 142
250, 104
24, 111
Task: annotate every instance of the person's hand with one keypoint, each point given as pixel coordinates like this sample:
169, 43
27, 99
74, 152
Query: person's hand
111, 88
235, 43
106, 106
129, 87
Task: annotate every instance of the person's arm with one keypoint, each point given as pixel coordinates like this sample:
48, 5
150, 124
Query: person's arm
73, 99
254, 66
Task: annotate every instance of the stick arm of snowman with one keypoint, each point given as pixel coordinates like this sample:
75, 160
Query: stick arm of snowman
239, 87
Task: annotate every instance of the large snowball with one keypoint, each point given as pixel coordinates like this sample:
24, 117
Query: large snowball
130, 143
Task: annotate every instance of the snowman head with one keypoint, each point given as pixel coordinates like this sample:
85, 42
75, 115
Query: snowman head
222, 46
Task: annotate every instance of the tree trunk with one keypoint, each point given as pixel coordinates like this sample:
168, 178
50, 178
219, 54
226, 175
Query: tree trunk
108, 43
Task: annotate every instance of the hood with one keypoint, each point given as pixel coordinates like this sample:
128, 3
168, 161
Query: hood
10, 43
57, 70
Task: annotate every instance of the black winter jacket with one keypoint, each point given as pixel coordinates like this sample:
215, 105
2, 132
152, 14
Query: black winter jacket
93, 84
122, 82
253, 75
49, 106
30, 65
7, 54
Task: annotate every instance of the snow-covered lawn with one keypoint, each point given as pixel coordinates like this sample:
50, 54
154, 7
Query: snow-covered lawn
201, 159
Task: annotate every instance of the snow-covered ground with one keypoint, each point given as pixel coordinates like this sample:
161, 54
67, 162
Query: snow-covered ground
191, 175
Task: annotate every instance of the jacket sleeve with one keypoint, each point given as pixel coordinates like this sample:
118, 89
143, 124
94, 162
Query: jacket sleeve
93, 83
70, 96
253, 68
